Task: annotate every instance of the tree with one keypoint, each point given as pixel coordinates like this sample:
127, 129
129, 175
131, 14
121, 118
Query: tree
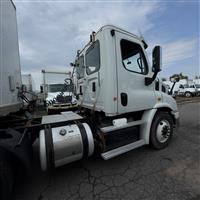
163, 79
181, 76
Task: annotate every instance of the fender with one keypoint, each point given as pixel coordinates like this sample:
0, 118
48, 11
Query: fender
148, 117
165, 105
22, 152
171, 108
146, 126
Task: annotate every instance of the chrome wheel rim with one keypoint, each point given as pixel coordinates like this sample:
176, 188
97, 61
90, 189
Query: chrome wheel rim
188, 95
163, 131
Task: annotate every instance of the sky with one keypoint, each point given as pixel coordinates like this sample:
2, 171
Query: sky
51, 32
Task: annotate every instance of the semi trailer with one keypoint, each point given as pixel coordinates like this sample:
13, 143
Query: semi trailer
121, 107
10, 71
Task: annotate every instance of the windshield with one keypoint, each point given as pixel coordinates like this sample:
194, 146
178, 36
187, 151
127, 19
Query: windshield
197, 85
57, 88
80, 67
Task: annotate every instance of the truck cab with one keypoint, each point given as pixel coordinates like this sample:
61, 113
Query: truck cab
112, 73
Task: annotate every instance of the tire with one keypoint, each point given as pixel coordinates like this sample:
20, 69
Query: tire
6, 176
161, 130
188, 94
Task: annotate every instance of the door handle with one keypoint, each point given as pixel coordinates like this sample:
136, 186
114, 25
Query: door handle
93, 87
124, 99
80, 90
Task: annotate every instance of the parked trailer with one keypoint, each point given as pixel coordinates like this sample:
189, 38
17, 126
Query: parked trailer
28, 82
10, 72
121, 107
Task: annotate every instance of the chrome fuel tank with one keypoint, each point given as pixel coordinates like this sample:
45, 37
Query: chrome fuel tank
65, 144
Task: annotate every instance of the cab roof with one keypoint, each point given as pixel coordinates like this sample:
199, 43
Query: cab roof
115, 28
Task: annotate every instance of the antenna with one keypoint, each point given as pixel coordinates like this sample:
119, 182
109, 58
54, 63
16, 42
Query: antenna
142, 39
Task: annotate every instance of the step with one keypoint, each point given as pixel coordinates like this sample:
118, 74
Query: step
123, 149
129, 124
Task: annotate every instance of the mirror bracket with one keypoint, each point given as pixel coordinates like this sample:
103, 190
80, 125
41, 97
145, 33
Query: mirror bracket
148, 81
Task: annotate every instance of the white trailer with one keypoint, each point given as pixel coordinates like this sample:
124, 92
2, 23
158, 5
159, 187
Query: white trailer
10, 72
28, 82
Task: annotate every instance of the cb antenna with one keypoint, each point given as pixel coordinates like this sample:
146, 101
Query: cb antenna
142, 39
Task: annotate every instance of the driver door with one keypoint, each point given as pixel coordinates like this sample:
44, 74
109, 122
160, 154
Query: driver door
132, 68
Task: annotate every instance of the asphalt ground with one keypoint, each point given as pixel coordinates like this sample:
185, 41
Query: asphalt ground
169, 174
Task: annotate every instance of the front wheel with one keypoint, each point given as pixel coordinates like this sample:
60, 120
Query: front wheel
161, 130
188, 94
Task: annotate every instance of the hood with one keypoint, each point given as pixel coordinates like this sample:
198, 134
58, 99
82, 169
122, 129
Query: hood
52, 95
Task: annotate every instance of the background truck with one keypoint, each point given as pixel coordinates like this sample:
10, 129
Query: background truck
10, 71
184, 87
121, 107
57, 94
187, 90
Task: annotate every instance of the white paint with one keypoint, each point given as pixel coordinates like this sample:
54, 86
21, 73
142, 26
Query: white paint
120, 122
112, 78
9, 59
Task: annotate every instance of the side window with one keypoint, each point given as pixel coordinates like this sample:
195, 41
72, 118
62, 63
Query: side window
133, 57
80, 67
93, 58
181, 86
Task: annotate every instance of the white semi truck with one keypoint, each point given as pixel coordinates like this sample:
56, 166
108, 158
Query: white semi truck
57, 94
121, 107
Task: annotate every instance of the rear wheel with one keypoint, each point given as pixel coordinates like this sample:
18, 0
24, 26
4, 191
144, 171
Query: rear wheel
6, 176
188, 94
161, 130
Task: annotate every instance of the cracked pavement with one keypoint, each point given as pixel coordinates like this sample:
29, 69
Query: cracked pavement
172, 173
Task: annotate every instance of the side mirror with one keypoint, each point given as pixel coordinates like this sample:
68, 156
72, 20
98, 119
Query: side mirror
174, 79
156, 59
68, 81
72, 64
181, 86
156, 64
